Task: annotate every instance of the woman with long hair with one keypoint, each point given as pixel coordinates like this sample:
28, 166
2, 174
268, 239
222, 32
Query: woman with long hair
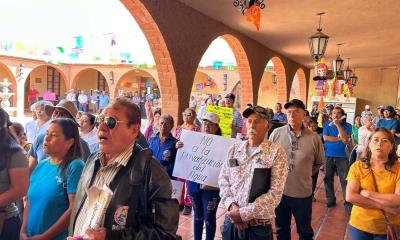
87, 130
189, 116
14, 179
373, 188
205, 199
53, 183
153, 121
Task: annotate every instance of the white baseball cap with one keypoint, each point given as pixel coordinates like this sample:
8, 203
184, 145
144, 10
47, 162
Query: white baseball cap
212, 117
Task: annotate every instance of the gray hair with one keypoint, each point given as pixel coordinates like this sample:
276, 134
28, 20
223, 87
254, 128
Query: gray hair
168, 117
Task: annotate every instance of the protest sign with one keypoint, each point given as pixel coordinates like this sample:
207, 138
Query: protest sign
201, 158
177, 187
226, 118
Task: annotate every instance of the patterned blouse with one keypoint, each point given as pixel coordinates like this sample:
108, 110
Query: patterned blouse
178, 131
235, 181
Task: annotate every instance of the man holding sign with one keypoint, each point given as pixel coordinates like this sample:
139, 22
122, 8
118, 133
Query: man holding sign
252, 180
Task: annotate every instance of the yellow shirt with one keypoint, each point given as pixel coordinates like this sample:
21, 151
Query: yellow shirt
371, 220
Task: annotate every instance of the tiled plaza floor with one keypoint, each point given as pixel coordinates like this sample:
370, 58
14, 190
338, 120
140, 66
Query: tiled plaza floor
328, 224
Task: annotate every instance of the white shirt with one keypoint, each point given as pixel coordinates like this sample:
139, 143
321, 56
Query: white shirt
71, 97
82, 98
31, 130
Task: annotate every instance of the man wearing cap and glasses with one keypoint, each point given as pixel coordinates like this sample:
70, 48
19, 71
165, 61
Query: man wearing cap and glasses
64, 109
305, 153
121, 164
244, 179
237, 118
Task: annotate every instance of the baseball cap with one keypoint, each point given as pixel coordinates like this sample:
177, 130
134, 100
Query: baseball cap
330, 106
212, 117
230, 96
261, 111
296, 103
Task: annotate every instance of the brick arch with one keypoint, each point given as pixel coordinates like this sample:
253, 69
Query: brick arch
13, 81
243, 67
78, 75
281, 75
302, 84
62, 73
166, 73
117, 82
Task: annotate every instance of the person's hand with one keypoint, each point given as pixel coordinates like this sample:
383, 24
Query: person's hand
336, 121
234, 214
37, 237
179, 144
364, 193
22, 236
99, 234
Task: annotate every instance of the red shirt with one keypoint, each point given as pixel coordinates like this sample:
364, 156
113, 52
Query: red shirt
32, 94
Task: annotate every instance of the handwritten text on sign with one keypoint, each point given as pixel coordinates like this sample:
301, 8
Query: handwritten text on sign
226, 118
201, 157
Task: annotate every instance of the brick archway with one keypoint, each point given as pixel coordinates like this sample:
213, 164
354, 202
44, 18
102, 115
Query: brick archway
301, 85
165, 69
74, 81
243, 67
279, 69
137, 72
13, 81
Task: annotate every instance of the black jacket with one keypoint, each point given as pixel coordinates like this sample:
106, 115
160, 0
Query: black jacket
145, 187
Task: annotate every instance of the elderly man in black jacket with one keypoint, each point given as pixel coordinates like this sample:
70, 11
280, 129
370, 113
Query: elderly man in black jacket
141, 206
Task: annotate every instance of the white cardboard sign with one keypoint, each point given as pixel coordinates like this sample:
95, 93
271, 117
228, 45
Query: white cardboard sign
177, 188
201, 158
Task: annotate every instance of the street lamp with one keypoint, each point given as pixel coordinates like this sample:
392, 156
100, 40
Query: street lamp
318, 42
274, 78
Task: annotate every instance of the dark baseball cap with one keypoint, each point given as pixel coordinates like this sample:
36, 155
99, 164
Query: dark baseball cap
330, 106
296, 103
261, 111
230, 96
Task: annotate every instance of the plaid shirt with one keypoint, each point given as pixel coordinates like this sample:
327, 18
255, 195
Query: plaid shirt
235, 182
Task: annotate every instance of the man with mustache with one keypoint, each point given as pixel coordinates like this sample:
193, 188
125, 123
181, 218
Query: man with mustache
305, 155
251, 164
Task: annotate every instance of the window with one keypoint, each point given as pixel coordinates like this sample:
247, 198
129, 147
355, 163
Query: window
53, 80
101, 82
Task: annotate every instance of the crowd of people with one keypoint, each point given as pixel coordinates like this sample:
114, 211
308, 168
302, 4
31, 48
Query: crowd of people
269, 175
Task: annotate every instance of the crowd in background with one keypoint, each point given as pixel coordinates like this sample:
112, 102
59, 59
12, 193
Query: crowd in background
294, 143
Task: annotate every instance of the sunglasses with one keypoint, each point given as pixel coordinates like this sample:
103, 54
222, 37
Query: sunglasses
110, 122
187, 114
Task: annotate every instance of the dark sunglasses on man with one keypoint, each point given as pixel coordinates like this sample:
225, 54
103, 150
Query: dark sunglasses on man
110, 122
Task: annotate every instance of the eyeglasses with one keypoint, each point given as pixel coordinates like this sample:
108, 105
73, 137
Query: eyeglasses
110, 122
186, 114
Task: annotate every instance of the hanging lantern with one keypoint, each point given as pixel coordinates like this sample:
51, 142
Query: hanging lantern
338, 63
318, 42
353, 79
347, 72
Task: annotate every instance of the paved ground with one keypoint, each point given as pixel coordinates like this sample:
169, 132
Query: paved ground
328, 224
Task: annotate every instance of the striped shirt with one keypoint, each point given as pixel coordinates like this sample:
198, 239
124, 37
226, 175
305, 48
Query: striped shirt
104, 175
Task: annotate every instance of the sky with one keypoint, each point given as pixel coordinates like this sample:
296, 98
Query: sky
33, 28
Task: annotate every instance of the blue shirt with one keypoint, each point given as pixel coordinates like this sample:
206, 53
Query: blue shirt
48, 198
103, 101
335, 149
237, 122
280, 117
391, 124
164, 152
